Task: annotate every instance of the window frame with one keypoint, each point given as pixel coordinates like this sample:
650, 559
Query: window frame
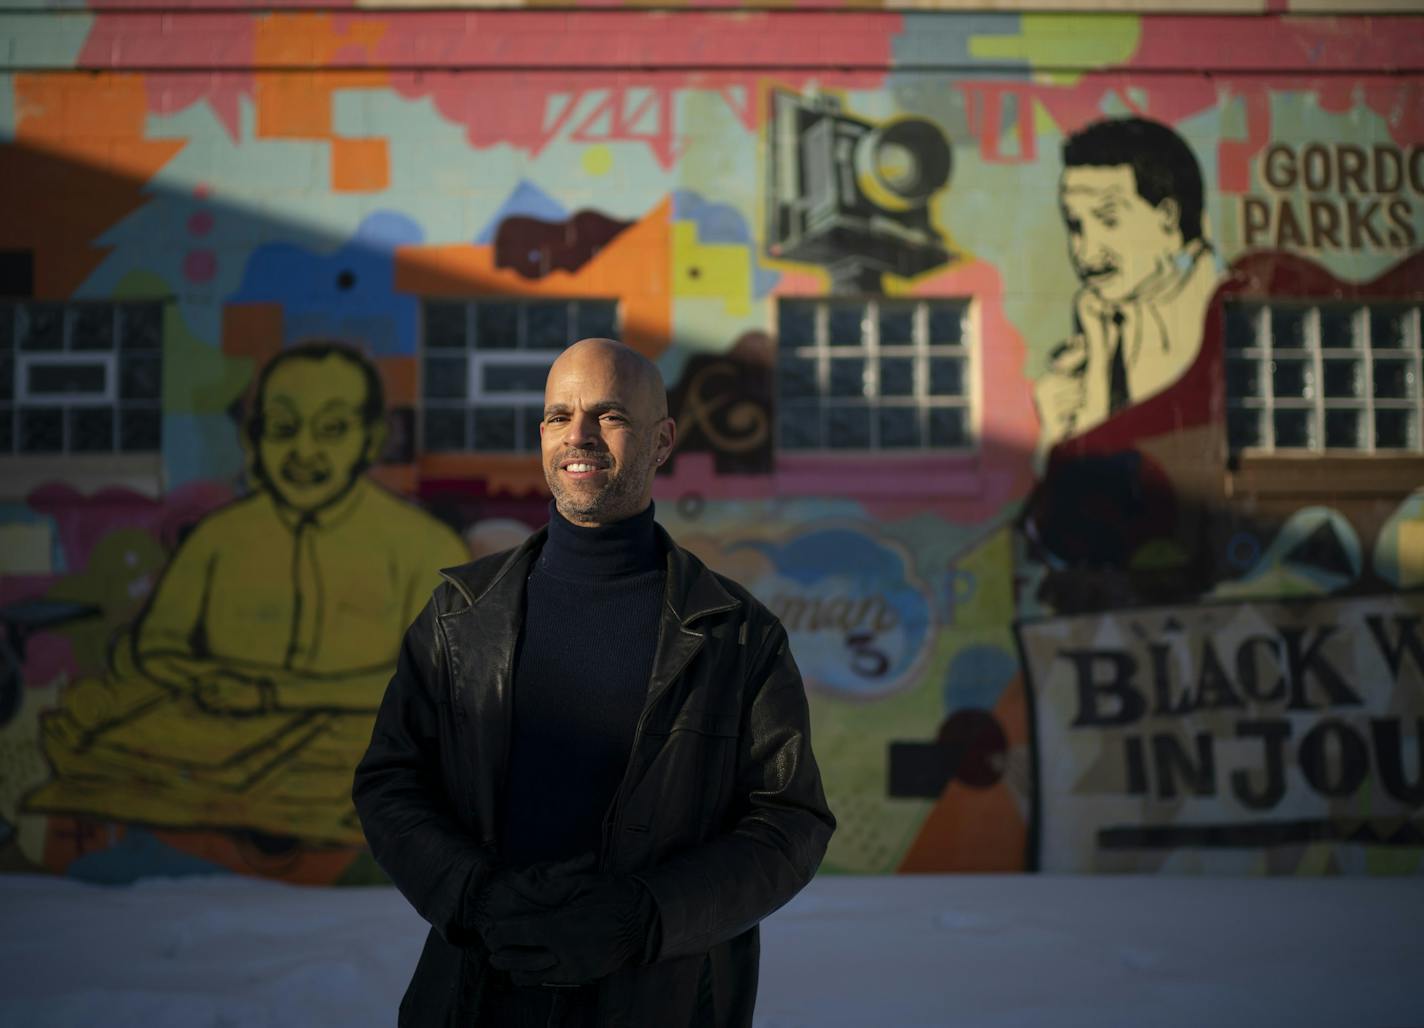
921, 349
1265, 352
477, 358
23, 362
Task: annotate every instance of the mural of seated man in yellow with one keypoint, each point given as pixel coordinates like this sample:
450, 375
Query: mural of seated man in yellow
245, 695
1131, 198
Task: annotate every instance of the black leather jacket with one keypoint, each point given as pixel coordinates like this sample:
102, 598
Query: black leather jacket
720, 813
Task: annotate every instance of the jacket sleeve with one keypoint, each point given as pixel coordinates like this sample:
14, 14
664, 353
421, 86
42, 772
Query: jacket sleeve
400, 796
721, 888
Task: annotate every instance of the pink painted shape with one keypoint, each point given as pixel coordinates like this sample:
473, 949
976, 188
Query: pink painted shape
984, 104
18, 588
511, 107
201, 223
200, 265
200, 5
142, 41
1282, 45
48, 655
1234, 157
82, 521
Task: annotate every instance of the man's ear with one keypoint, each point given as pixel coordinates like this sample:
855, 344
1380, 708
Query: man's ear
1169, 211
376, 434
667, 438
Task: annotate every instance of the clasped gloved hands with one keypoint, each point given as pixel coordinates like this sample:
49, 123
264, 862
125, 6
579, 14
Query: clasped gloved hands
605, 924
511, 893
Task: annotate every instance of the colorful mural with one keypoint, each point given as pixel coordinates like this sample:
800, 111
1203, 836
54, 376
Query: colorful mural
1064, 401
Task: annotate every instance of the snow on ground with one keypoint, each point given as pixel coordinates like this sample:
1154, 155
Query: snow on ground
849, 951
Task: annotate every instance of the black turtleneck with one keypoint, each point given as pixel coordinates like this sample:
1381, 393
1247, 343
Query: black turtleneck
580, 677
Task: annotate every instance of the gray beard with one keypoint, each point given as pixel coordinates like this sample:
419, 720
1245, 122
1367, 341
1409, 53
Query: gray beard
615, 502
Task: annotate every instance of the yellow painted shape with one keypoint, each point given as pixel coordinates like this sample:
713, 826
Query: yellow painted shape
1411, 553
991, 562
1315, 859
170, 764
597, 160
1064, 40
720, 270
26, 549
1043, 123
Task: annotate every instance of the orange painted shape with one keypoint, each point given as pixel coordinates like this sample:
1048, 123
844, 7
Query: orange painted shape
291, 107
977, 830
135, 161
252, 330
400, 378
298, 106
67, 181
634, 268
360, 165
249, 854
513, 475
69, 838
400, 479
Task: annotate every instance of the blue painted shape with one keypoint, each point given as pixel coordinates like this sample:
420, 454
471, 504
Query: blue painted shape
387, 230
931, 39
199, 447
716, 222
23, 514
1283, 555
139, 854
348, 294
977, 677
528, 201
843, 552
724, 224
851, 564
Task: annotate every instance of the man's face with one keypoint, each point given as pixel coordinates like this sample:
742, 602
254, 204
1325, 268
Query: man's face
313, 440
1116, 239
602, 437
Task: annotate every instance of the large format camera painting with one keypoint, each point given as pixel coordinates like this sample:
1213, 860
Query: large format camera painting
852, 195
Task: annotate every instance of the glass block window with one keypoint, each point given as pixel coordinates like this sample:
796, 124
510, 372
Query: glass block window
886, 375
81, 377
484, 365
1323, 377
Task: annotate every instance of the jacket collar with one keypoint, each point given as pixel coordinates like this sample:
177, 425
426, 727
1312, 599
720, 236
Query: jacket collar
693, 591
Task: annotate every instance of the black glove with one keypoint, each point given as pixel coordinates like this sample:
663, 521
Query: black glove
510, 893
610, 924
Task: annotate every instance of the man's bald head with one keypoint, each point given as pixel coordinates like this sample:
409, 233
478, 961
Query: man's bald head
627, 364
605, 431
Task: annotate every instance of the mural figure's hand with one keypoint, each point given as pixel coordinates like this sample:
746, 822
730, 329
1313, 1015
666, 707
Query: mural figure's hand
231, 693
1062, 392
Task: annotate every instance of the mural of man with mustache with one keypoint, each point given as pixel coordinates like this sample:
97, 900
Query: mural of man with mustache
1131, 198
265, 648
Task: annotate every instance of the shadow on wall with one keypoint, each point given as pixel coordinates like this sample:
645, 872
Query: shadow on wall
234, 634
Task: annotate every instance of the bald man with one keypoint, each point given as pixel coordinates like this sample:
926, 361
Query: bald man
592, 771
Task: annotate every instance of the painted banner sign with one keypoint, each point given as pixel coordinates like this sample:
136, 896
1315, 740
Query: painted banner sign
1207, 738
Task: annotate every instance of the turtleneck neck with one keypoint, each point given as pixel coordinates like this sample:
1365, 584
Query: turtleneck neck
627, 547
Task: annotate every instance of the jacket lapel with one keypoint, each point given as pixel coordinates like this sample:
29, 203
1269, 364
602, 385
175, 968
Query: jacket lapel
480, 639
692, 592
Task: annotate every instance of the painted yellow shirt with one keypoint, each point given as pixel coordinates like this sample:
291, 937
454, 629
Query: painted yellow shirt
319, 606
256, 583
